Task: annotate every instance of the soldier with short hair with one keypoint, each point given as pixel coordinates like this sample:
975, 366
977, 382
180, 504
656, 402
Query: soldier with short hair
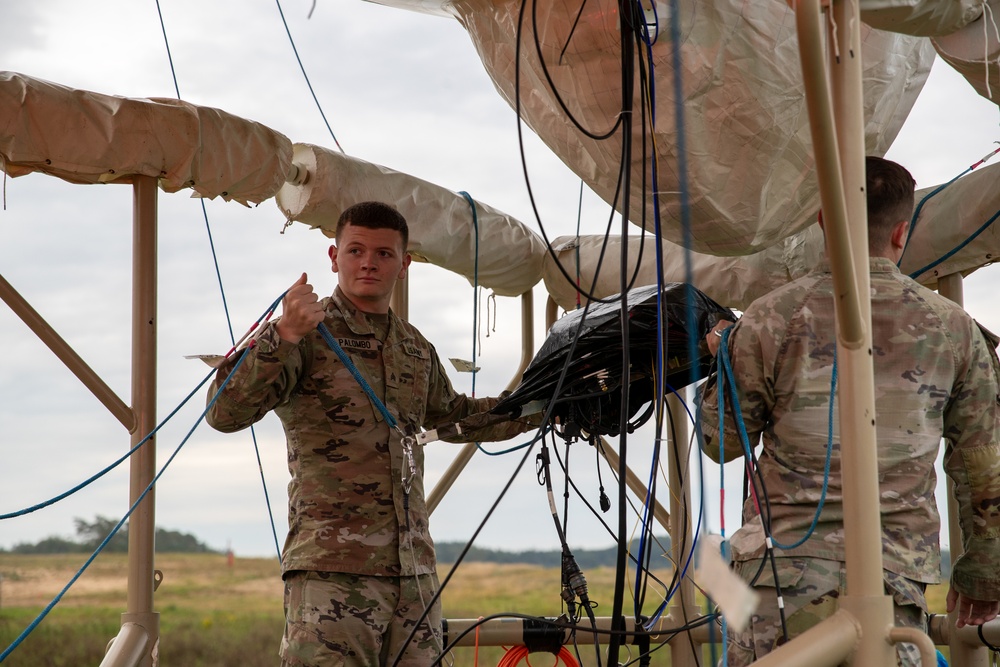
358, 562
935, 377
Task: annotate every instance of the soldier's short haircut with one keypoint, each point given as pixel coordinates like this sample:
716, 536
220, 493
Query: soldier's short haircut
890, 199
374, 215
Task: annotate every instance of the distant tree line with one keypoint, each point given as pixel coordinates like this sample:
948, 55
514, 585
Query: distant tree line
91, 534
448, 552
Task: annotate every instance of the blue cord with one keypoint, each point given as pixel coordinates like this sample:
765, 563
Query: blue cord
45, 612
306, 76
726, 373
335, 346
958, 247
920, 206
222, 290
119, 461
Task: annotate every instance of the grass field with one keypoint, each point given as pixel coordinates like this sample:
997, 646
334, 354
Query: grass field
214, 615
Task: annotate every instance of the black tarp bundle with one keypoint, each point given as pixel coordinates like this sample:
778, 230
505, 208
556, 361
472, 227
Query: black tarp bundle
591, 393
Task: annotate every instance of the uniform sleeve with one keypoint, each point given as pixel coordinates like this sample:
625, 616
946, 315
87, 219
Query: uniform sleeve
755, 392
445, 406
972, 460
265, 378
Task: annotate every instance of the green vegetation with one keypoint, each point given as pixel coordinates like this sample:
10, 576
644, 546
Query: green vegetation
91, 534
213, 614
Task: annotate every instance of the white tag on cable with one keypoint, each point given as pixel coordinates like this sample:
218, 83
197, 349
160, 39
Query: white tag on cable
213, 360
712, 574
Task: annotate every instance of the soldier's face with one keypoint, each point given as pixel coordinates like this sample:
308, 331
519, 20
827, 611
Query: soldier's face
368, 263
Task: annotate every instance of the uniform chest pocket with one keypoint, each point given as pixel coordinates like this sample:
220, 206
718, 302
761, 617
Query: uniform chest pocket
407, 379
340, 399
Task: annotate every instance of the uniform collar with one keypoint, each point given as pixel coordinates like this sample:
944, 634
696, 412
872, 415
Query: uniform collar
358, 323
875, 265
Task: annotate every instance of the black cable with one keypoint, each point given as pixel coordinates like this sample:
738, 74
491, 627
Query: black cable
759, 486
552, 86
573, 582
627, 62
686, 511
531, 197
465, 550
603, 523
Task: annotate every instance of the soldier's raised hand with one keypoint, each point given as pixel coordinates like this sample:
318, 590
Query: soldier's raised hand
301, 311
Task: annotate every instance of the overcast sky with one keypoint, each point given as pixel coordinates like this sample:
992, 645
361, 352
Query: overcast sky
400, 89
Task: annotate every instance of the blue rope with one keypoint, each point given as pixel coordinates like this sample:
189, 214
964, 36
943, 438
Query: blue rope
222, 290
119, 461
726, 374
928, 196
958, 247
339, 351
306, 76
45, 612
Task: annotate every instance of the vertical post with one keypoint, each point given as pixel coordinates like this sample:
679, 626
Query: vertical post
142, 523
399, 300
456, 467
683, 609
952, 287
865, 597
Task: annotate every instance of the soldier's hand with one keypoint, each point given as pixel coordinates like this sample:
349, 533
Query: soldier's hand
714, 337
301, 311
971, 611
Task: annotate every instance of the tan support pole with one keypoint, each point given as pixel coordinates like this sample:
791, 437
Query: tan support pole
637, 486
129, 647
67, 355
825, 645
826, 128
142, 524
469, 449
845, 219
551, 312
399, 300
965, 654
928, 654
683, 609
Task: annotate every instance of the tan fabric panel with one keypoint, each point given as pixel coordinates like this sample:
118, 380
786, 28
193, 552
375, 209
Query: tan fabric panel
749, 151
732, 281
974, 52
85, 137
948, 219
440, 221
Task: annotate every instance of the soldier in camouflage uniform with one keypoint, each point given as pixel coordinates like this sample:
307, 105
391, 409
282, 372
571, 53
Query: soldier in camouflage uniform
935, 376
358, 562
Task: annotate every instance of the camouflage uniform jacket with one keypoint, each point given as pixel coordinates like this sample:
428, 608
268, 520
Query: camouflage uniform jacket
346, 508
935, 377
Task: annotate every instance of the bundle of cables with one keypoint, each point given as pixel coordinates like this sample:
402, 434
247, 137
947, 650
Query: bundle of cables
587, 343
516, 654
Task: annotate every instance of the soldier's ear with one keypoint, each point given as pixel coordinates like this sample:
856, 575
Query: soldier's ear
333, 258
899, 233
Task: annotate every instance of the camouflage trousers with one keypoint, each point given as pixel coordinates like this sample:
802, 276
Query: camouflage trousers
810, 588
348, 620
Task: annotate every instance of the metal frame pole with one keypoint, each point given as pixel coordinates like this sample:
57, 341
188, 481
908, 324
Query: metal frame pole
841, 174
142, 523
437, 494
45, 333
683, 608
